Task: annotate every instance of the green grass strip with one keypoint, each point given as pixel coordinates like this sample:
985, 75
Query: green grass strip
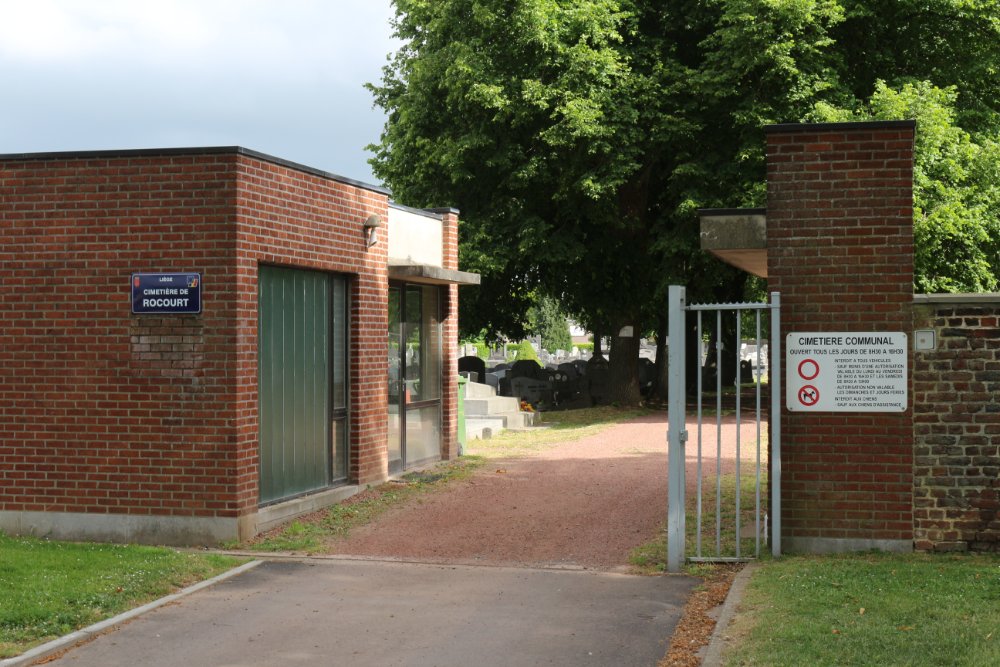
311, 534
651, 558
871, 609
48, 589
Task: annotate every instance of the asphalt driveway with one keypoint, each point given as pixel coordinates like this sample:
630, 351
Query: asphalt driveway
358, 612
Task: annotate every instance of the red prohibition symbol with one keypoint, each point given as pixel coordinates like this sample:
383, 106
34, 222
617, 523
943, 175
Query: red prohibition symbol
808, 395
808, 369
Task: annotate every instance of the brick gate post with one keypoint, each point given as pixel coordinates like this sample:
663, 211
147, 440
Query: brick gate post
840, 252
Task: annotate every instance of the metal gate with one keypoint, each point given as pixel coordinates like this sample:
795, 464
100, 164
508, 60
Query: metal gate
720, 483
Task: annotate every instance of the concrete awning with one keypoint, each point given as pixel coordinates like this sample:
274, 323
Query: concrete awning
430, 275
737, 236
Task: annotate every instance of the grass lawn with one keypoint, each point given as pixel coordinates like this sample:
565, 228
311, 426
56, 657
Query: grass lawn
871, 609
561, 426
311, 534
48, 589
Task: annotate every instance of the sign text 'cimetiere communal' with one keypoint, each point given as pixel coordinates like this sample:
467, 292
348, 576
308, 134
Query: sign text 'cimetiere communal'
166, 293
833, 371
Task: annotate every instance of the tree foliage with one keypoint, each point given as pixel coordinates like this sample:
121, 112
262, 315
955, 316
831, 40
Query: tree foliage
522, 351
956, 187
579, 137
946, 42
549, 323
956, 192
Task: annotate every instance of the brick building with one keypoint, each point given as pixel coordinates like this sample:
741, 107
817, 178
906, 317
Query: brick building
322, 358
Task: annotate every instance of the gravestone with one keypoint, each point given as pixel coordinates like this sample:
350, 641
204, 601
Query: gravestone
473, 364
525, 368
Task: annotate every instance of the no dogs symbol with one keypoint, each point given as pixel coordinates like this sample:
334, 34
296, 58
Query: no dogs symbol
808, 395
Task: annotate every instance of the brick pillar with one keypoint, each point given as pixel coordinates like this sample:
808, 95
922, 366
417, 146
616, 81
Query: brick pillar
368, 457
449, 349
840, 252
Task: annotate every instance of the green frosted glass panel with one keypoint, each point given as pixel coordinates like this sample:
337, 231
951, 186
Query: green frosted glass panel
295, 382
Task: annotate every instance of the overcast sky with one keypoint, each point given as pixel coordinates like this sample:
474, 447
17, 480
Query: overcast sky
282, 77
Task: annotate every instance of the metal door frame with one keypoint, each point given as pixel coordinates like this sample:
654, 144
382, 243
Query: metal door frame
677, 434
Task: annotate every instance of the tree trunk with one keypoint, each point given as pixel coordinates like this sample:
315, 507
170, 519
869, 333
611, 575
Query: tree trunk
597, 344
623, 372
692, 357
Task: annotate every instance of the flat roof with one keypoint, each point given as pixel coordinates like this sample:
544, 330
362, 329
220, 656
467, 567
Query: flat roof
204, 150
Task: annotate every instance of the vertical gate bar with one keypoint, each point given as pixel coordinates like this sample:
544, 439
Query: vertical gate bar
774, 380
757, 488
739, 358
675, 429
698, 365
718, 433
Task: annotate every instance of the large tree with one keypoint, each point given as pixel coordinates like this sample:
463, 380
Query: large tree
579, 137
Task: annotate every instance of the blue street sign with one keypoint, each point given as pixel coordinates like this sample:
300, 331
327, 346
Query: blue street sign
166, 293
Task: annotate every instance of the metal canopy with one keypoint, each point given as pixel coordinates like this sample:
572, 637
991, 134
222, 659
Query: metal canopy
430, 275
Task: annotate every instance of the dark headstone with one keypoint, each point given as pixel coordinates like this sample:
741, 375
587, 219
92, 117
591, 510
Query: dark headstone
647, 375
598, 376
473, 364
525, 368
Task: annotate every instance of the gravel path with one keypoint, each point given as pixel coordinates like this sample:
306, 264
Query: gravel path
584, 503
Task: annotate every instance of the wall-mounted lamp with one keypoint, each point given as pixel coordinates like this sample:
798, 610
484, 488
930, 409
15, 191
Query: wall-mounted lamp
371, 226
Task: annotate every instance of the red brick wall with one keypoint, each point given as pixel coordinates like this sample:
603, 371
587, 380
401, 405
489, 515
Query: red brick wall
840, 251
102, 411
957, 425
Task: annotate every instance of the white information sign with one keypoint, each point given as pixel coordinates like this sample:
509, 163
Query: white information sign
846, 371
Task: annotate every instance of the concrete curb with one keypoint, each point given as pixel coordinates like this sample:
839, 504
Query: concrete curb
442, 562
65, 642
713, 654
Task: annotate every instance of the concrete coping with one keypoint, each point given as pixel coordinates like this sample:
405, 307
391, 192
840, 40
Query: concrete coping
840, 127
430, 275
425, 212
959, 298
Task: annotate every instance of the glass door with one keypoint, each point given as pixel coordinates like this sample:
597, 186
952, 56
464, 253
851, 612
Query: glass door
414, 375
